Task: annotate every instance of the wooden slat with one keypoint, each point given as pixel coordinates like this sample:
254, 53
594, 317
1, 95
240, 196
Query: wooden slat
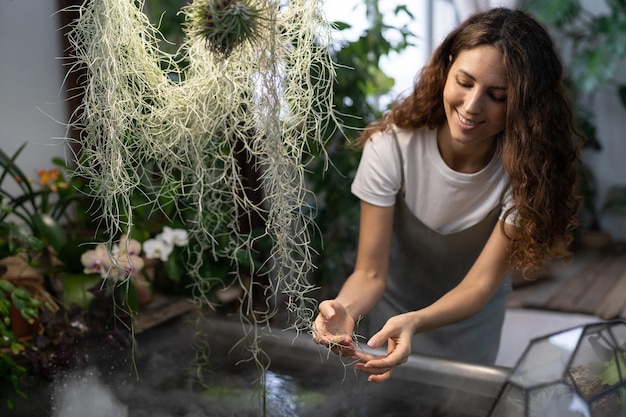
604, 282
614, 304
575, 288
162, 310
595, 284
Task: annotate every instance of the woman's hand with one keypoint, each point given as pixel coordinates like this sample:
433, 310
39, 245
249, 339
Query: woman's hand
333, 328
398, 332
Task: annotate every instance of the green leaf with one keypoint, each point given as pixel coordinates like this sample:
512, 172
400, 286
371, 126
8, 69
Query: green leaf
50, 231
617, 5
554, 12
6, 286
132, 299
173, 269
341, 25
615, 367
76, 288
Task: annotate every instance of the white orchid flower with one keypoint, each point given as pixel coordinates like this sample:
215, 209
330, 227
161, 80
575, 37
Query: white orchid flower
157, 248
174, 237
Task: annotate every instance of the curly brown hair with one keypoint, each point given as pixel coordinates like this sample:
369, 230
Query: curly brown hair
536, 145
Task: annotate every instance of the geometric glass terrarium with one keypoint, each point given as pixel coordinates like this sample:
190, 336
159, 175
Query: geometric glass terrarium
579, 372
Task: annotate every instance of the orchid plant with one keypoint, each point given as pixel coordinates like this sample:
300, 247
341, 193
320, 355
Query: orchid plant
126, 259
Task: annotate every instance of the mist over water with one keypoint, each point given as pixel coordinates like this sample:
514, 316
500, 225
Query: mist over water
83, 394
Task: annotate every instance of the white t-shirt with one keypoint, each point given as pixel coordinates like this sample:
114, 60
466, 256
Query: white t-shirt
445, 200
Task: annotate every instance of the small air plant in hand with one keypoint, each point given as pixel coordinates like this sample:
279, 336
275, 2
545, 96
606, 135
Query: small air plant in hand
223, 24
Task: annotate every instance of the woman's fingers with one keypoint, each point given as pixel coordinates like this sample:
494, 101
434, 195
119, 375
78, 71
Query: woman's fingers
326, 310
380, 367
378, 370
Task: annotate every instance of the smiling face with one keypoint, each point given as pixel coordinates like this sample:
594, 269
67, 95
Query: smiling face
474, 97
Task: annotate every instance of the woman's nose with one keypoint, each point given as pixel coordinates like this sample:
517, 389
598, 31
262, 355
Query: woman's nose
473, 102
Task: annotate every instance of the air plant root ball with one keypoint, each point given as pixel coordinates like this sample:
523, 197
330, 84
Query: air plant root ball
223, 24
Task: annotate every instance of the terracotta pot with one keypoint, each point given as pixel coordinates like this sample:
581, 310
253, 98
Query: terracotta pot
21, 328
143, 290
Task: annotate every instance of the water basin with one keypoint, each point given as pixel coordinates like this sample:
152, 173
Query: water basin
161, 379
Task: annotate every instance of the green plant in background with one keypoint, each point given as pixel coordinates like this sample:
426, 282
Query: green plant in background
39, 220
594, 46
13, 373
20, 299
39, 204
164, 14
16, 239
13, 301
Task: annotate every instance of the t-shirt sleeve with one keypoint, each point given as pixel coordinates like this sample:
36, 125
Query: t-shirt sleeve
378, 177
507, 203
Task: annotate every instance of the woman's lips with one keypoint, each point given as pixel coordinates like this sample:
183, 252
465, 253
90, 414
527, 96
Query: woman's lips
468, 124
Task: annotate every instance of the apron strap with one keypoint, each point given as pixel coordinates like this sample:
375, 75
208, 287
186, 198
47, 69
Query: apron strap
397, 145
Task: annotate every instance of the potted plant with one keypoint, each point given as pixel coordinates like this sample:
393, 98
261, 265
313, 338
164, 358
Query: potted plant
19, 282
19, 310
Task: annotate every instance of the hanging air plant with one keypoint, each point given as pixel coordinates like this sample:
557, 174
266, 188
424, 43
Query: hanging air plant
223, 24
144, 116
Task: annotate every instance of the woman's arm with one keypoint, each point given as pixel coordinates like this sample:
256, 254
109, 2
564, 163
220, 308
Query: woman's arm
364, 287
463, 301
366, 284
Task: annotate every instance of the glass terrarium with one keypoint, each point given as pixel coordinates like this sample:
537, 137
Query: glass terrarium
579, 372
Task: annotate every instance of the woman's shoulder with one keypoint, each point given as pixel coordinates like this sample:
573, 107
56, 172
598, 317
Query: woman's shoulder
395, 147
403, 135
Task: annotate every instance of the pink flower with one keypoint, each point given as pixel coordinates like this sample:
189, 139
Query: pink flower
126, 266
96, 261
123, 261
126, 245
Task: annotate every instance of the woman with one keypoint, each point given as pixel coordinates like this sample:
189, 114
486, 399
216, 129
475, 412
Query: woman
468, 177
